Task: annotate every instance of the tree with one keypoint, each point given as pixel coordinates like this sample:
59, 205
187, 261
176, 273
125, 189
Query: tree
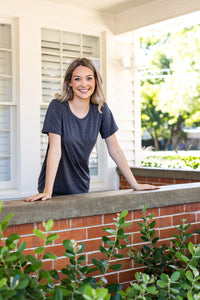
153, 119
174, 63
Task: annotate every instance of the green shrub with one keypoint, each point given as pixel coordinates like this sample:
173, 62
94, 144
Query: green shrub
171, 273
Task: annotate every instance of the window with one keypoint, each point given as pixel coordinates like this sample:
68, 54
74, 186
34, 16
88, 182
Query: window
59, 49
6, 106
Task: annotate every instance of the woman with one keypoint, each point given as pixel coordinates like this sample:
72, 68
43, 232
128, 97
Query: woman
72, 122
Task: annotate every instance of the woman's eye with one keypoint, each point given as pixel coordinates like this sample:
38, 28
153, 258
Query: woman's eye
77, 79
89, 78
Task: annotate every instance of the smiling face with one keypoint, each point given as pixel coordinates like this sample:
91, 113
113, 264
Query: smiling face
82, 83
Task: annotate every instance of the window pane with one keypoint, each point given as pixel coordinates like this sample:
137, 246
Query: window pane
90, 46
4, 143
50, 41
5, 62
66, 62
4, 117
49, 88
5, 89
51, 66
43, 137
71, 44
4, 169
5, 36
93, 163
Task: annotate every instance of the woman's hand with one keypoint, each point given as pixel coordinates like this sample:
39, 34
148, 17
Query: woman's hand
141, 187
41, 196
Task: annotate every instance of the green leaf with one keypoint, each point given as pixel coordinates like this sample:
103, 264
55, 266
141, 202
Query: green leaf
115, 267
22, 284
191, 248
81, 259
69, 246
48, 225
3, 282
99, 264
4, 223
189, 295
109, 230
58, 295
38, 233
123, 214
46, 275
175, 276
174, 291
162, 284
189, 276
52, 237
49, 255
39, 250
118, 255
140, 224
113, 287
152, 224
11, 258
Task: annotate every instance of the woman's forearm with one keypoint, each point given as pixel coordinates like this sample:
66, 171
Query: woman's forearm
53, 160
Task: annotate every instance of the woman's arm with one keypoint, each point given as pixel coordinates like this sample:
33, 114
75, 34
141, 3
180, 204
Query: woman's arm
118, 156
53, 159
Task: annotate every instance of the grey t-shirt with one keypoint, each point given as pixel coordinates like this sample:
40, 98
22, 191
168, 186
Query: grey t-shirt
78, 137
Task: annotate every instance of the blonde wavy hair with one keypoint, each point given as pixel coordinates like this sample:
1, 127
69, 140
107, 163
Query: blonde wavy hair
67, 92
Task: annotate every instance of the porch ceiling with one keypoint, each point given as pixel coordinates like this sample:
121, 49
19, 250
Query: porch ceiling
129, 15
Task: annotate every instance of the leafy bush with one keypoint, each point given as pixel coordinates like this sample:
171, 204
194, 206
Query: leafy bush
22, 276
171, 273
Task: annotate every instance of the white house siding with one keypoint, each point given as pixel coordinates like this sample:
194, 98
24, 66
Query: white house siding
29, 18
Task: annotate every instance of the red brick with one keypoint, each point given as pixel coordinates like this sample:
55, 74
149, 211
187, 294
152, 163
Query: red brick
190, 218
86, 221
163, 222
109, 218
61, 224
58, 225
57, 250
193, 227
97, 255
171, 210
192, 207
137, 238
61, 263
198, 216
32, 241
166, 242
75, 234
134, 227
125, 276
168, 233
22, 229
95, 232
197, 240
167, 180
112, 278
92, 245
179, 181
137, 214
47, 265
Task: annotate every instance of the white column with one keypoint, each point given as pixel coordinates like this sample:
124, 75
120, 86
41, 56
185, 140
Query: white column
29, 105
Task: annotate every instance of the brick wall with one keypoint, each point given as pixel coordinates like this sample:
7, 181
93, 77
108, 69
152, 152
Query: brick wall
152, 180
89, 231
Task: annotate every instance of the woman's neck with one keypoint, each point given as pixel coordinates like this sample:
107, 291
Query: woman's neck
79, 108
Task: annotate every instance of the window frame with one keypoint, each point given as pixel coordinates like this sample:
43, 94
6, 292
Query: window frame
11, 184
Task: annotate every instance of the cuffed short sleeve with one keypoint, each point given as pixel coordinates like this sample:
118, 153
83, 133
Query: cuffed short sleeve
108, 124
53, 118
